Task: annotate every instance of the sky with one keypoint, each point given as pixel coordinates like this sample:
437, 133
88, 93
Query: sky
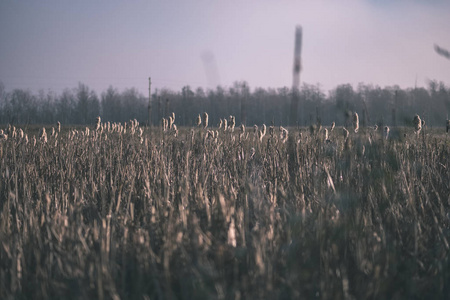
56, 44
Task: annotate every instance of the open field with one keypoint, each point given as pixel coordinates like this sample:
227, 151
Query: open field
145, 214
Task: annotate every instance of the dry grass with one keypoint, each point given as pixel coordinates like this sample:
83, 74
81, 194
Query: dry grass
108, 214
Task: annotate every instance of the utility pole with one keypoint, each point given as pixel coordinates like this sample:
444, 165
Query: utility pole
149, 102
244, 104
394, 110
296, 75
166, 110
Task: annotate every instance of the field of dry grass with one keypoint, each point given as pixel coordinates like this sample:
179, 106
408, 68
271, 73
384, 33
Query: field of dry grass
192, 214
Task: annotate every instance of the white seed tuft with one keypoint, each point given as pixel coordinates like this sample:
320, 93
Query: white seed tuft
417, 124
283, 134
232, 123
43, 135
355, 122
205, 120
386, 132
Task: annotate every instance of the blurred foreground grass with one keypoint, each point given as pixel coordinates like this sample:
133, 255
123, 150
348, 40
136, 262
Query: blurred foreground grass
155, 216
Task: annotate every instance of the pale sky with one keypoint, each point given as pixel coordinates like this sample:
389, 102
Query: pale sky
54, 44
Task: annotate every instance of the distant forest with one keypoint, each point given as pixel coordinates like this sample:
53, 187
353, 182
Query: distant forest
375, 105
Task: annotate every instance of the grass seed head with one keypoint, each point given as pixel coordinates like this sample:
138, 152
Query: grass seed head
205, 120
43, 135
98, 123
175, 130
210, 134
164, 124
264, 129
242, 128
271, 130
417, 124
232, 123
284, 133
3, 135
132, 130
386, 132
355, 122
345, 133
262, 132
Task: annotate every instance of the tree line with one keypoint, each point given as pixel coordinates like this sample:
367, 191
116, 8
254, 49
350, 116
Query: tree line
375, 105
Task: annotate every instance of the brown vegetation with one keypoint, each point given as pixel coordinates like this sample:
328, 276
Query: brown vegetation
108, 214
